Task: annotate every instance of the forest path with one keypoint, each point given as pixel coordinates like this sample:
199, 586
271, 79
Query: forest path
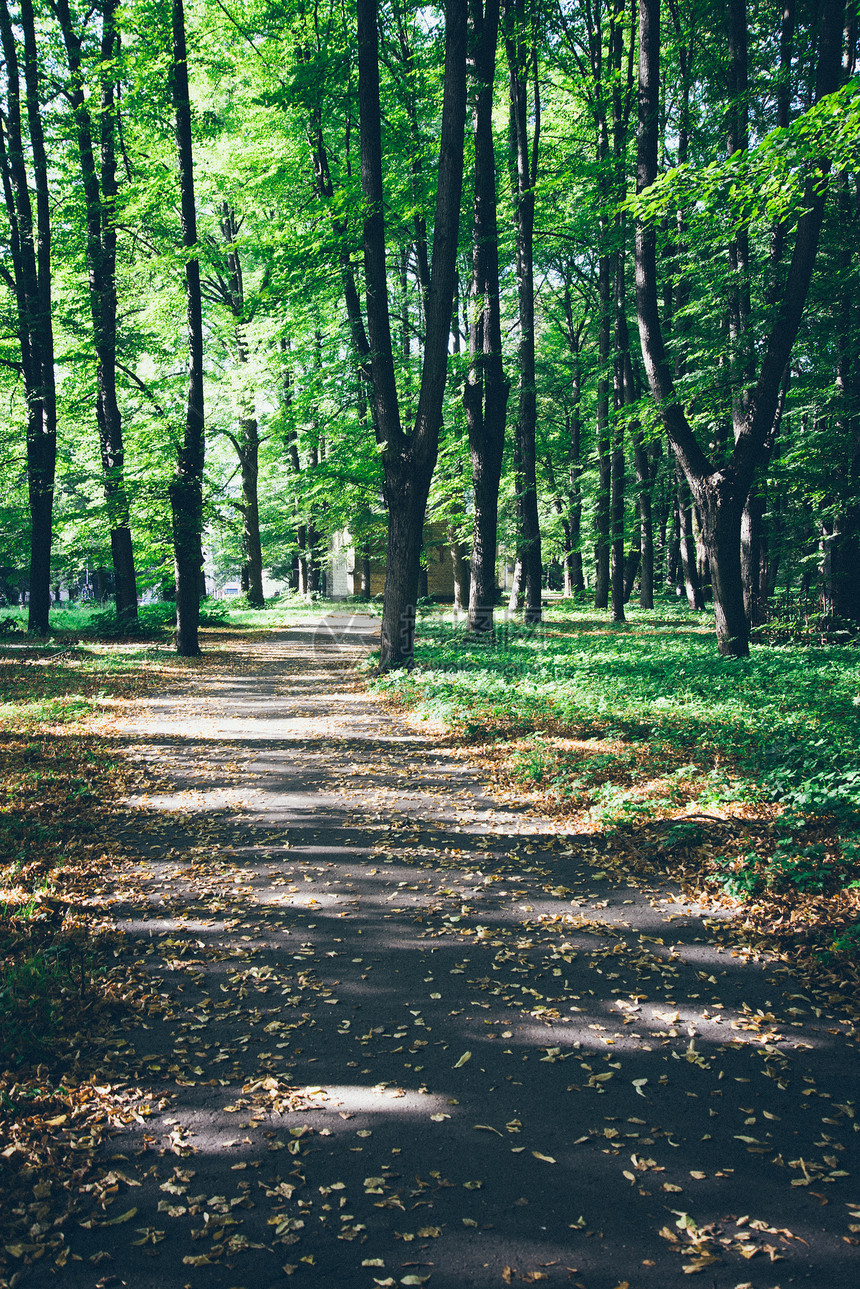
402, 1032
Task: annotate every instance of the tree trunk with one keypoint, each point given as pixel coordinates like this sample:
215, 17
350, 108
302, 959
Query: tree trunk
521, 47
617, 523
632, 564
485, 392
644, 485
186, 486
365, 575
574, 580
461, 572
251, 544
720, 491
516, 587
231, 291
408, 460
688, 565
30, 250
721, 524
602, 517
100, 192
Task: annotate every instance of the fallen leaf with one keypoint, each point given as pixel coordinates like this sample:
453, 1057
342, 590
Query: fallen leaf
467, 1056
123, 1217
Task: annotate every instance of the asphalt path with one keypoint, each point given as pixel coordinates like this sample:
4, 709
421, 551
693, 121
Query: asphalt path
403, 1033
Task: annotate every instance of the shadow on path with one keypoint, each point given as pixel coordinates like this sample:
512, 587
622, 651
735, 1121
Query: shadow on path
405, 1033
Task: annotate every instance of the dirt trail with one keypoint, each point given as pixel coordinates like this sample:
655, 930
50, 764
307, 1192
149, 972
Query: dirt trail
404, 1033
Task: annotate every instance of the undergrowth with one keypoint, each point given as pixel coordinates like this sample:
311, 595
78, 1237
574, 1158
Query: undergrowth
623, 729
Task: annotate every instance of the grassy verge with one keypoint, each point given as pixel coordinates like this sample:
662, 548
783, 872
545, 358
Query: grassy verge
86, 620
740, 778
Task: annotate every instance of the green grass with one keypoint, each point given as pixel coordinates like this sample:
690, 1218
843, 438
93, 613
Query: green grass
90, 621
780, 724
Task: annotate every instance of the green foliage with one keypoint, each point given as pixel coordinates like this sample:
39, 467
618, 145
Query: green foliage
780, 725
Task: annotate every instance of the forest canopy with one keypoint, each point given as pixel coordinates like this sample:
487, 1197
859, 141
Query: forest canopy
564, 290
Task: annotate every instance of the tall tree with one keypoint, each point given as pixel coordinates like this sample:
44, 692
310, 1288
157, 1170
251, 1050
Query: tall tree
99, 183
408, 459
521, 45
485, 392
721, 489
186, 486
30, 281
227, 287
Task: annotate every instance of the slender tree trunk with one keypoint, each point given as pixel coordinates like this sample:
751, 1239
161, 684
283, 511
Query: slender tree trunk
624, 397
525, 120
365, 574
644, 485
485, 392
516, 586
461, 572
688, 565
574, 580
30, 250
845, 544
186, 486
100, 193
251, 544
632, 564
231, 291
602, 515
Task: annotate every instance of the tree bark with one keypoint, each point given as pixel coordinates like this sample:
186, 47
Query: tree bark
100, 193
644, 486
485, 392
521, 50
30, 246
602, 518
687, 564
461, 572
186, 486
231, 292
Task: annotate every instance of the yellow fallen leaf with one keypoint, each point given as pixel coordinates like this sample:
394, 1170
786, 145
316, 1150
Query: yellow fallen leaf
200, 1260
548, 1159
373, 1262
467, 1056
691, 1268
700, 1177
